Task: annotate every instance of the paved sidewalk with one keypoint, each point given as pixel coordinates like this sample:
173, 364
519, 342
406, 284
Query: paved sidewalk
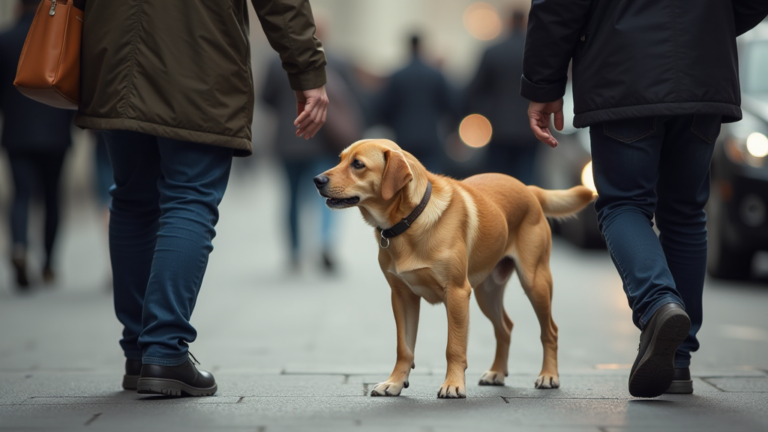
301, 351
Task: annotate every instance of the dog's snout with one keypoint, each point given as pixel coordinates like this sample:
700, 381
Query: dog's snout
321, 181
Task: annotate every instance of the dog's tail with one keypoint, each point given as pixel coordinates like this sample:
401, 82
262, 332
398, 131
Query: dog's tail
562, 203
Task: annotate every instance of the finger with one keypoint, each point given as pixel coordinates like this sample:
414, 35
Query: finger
538, 132
305, 111
559, 120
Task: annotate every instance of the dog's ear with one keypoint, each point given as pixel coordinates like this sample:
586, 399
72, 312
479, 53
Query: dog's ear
396, 175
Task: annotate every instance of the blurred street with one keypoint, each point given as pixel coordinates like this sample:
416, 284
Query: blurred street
300, 350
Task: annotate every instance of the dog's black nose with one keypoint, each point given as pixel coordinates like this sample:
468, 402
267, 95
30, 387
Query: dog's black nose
321, 181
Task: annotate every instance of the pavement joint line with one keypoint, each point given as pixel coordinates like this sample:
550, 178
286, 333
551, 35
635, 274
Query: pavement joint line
92, 419
240, 400
706, 380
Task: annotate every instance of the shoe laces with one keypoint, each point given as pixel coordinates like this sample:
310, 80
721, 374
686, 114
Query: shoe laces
194, 360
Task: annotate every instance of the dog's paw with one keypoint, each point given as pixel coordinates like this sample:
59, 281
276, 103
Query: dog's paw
452, 390
547, 381
388, 388
492, 378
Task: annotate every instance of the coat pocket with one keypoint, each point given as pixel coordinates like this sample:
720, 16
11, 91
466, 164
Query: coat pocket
707, 126
630, 130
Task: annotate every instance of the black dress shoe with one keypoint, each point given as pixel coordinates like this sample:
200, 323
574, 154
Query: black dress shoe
681, 383
181, 380
132, 372
654, 367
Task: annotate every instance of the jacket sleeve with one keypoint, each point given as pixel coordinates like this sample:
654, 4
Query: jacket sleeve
290, 29
748, 13
554, 28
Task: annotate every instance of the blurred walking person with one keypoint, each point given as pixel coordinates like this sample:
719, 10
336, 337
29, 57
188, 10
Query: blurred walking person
653, 81
494, 92
169, 82
413, 102
36, 138
303, 160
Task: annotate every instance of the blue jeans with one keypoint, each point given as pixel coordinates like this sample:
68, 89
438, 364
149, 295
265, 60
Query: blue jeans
164, 208
657, 166
300, 174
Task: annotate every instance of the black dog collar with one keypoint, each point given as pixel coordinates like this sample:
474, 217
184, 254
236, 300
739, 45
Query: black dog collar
406, 223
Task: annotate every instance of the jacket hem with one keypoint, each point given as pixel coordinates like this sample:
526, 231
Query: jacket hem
243, 147
730, 112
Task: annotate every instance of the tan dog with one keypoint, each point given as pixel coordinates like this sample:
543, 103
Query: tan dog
471, 234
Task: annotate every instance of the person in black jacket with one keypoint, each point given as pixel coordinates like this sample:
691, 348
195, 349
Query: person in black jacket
413, 102
36, 138
653, 80
494, 93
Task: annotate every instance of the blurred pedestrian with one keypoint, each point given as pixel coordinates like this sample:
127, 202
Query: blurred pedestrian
653, 81
102, 182
413, 102
169, 82
302, 159
494, 92
36, 138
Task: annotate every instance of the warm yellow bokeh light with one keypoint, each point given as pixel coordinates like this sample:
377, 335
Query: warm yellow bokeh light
587, 177
482, 21
757, 145
475, 130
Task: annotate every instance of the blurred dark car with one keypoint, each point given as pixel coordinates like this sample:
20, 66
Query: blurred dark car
737, 210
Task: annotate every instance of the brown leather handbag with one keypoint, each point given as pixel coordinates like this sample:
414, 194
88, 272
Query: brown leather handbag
49, 66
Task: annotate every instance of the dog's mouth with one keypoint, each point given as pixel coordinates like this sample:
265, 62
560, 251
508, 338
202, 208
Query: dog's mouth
341, 202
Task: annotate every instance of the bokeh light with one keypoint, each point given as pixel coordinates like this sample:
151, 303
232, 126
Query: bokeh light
757, 145
587, 177
475, 130
482, 21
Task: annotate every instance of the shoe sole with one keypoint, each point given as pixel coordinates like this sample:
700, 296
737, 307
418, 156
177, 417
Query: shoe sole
169, 387
680, 387
656, 370
130, 382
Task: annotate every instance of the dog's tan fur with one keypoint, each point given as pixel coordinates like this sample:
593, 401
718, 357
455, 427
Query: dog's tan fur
472, 234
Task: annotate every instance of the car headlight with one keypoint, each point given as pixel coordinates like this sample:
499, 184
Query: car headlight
757, 145
588, 178
751, 150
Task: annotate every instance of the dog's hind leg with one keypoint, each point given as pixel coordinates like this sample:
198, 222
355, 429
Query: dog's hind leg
405, 305
536, 279
490, 298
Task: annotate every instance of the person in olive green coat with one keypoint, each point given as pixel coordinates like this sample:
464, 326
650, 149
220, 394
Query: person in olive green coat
169, 81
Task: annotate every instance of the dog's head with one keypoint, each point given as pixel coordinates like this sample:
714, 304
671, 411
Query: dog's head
369, 171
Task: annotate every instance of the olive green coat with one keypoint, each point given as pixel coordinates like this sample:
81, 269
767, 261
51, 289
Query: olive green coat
181, 69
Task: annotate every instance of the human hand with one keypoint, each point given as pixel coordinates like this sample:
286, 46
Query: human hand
539, 115
311, 108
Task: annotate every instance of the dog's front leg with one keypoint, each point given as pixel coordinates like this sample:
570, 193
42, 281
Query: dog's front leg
405, 305
457, 306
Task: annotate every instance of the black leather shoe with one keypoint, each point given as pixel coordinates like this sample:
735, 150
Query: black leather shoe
681, 383
182, 380
132, 372
654, 367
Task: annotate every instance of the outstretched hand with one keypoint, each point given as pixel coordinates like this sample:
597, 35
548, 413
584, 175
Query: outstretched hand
311, 108
539, 115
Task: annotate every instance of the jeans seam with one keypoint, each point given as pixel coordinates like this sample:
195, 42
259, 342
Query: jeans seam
630, 139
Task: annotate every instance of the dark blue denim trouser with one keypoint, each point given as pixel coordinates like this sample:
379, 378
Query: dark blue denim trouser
163, 212
657, 166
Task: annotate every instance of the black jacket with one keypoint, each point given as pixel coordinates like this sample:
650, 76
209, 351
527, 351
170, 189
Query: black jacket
493, 94
413, 102
638, 58
28, 126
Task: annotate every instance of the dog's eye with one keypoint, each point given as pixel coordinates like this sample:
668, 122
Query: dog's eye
356, 164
